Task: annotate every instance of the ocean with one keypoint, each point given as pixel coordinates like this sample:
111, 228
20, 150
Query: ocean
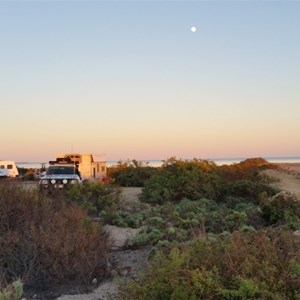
157, 163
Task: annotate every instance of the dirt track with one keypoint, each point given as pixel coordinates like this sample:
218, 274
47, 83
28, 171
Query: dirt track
288, 177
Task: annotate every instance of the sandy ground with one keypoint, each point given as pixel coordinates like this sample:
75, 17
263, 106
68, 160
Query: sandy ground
131, 193
288, 178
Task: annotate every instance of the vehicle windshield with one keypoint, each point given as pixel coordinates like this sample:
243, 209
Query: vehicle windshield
56, 170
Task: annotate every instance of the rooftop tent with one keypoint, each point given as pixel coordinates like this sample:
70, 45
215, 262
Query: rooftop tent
74, 157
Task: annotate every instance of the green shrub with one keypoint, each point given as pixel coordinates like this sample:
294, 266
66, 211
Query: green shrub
284, 208
179, 179
95, 196
149, 236
247, 228
13, 291
186, 219
196, 179
132, 173
125, 219
239, 266
248, 190
235, 219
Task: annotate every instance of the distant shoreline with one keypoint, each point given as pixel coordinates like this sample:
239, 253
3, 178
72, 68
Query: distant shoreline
156, 163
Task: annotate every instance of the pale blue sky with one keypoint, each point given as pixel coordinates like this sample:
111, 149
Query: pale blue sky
130, 79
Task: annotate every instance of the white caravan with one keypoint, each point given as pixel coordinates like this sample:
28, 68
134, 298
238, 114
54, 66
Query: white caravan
8, 169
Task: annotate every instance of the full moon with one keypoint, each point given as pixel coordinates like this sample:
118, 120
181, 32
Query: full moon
193, 29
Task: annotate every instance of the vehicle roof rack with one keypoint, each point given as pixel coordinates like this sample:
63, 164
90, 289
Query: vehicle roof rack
64, 160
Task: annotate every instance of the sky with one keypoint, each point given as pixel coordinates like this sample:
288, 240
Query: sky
131, 80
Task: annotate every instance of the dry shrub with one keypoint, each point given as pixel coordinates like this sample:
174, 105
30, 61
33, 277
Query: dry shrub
46, 241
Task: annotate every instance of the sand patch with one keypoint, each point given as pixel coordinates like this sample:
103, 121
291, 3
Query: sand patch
288, 178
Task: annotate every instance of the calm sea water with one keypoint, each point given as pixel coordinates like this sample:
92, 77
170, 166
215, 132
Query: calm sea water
157, 163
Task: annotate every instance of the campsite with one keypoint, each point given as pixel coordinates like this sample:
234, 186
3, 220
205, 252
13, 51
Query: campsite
138, 225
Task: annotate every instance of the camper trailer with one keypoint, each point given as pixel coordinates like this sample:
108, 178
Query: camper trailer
8, 169
87, 167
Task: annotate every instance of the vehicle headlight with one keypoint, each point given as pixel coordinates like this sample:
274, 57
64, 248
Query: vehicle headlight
73, 181
44, 181
53, 181
65, 181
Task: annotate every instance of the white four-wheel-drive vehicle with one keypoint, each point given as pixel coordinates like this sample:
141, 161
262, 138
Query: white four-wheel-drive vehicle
60, 175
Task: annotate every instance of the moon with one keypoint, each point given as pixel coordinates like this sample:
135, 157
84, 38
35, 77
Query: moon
193, 29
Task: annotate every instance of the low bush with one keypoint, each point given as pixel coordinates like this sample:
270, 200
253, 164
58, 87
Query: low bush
132, 173
125, 219
282, 209
248, 169
95, 196
26, 173
255, 265
188, 219
46, 241
149, 236
196, 179
248, 190
12, 291
179, 179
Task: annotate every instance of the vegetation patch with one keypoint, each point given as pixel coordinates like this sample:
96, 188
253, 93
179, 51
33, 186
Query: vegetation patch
196, 179
282, 209
238, 266
216, 232
130, 173
12, 291
46, 241
97, 197
211, 231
